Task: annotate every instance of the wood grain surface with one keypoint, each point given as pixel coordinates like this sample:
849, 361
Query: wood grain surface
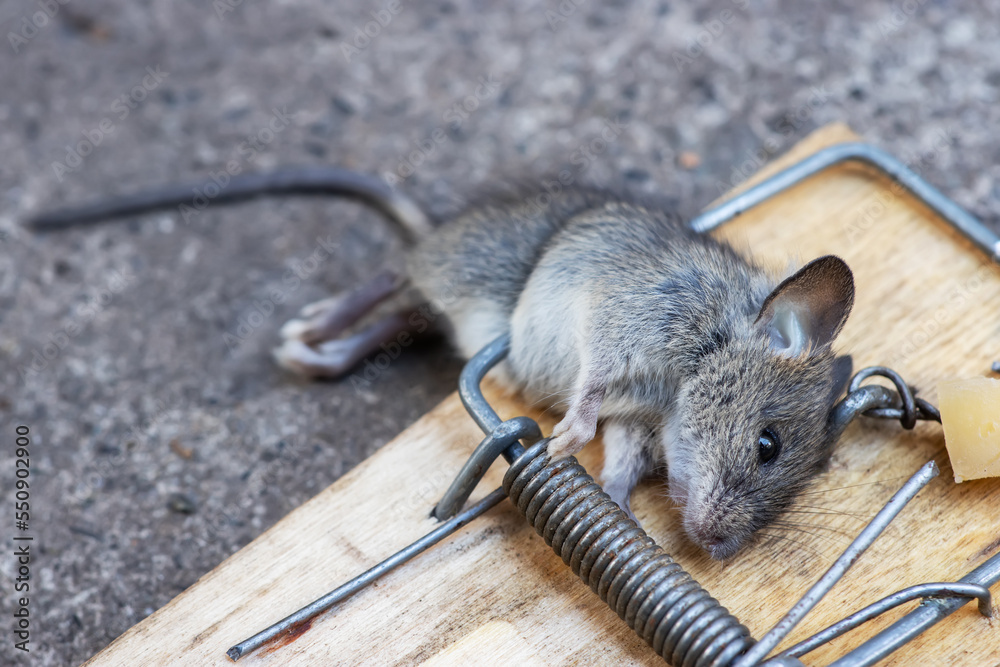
928, 305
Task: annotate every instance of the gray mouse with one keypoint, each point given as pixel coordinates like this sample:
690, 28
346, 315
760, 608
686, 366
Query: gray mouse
690, 354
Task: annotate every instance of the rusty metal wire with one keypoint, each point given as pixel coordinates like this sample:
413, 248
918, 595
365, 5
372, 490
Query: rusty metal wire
910, 408
874, 400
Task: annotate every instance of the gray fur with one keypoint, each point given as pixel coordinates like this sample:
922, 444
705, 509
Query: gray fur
617, 311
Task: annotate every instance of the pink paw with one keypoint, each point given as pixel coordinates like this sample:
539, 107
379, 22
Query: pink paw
569, 437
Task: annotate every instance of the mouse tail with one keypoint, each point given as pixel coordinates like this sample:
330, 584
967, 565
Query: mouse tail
308, 180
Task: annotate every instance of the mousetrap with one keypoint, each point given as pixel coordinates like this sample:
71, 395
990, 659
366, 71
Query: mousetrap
495, 593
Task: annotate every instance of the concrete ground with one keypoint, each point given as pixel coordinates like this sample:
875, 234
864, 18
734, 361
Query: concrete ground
163, 438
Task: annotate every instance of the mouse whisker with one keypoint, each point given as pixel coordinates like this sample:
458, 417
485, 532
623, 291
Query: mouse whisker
839, 537
545, 401
771, 538
798, 536
548, 407
809, 509
798, 525
854, 486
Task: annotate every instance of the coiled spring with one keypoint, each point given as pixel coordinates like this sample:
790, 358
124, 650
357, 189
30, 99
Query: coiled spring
622, 564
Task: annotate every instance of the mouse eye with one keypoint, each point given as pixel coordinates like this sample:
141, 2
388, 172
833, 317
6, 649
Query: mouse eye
768, 446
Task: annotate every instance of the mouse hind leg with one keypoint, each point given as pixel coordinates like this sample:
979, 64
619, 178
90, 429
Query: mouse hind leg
336, 357
324, 320
332, 336
628, 448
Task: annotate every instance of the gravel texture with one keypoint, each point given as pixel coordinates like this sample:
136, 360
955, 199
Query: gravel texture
159, 447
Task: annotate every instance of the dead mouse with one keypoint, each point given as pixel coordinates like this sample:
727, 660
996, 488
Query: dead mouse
690, 354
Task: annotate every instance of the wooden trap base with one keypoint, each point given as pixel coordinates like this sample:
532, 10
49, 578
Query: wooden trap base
928, 305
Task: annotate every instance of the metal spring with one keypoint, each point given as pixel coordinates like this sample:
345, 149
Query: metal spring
622, 564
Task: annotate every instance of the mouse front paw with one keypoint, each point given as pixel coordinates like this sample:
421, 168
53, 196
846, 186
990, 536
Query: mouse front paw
569, 437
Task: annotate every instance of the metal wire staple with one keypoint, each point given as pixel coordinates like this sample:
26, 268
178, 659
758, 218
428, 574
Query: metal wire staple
910, 407
899, 403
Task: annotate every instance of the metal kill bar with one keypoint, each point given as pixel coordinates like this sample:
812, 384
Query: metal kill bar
923, 617
955, 215
920, 591
291, 622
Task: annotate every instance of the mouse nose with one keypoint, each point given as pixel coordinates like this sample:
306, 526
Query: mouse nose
712, 539
714, 522
721, 549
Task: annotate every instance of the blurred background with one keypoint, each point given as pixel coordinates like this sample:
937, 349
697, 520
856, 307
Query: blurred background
138, 353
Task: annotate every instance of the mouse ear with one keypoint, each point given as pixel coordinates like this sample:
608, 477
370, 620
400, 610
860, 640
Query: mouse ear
807, 310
